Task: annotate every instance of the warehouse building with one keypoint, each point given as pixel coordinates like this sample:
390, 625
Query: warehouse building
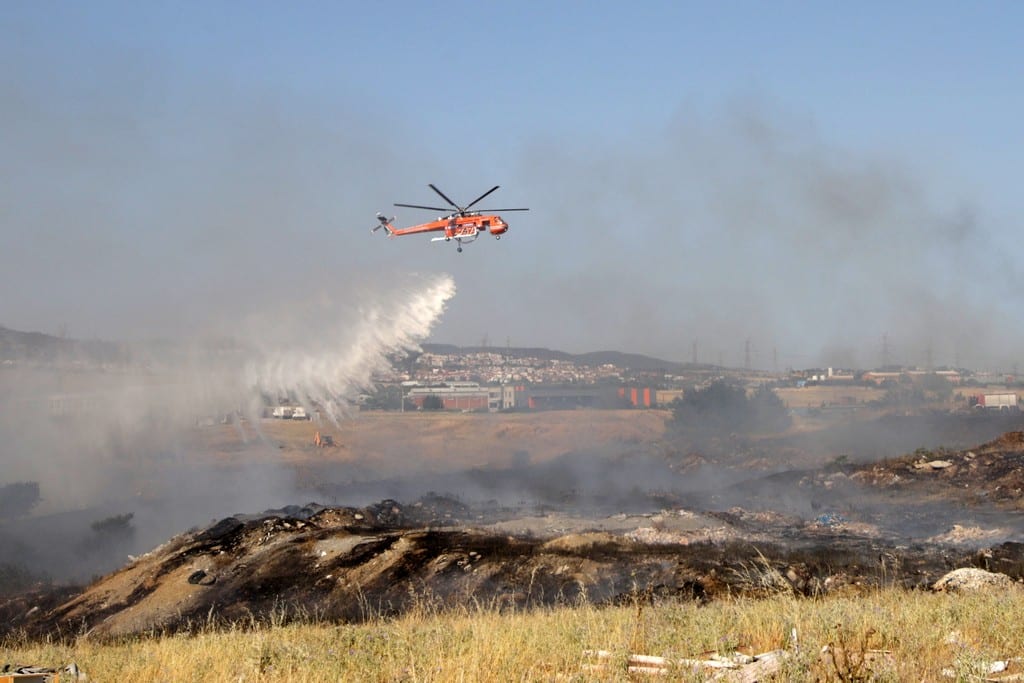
566, 398
465, 396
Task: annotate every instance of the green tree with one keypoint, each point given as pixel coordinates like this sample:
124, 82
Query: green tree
726, 407
767, 411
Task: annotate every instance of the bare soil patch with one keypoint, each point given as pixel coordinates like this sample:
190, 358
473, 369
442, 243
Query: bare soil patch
395, 442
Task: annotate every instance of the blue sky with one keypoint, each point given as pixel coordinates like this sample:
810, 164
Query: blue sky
684, 162
885, 74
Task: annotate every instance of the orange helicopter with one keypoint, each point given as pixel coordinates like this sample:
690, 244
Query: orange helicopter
461, 225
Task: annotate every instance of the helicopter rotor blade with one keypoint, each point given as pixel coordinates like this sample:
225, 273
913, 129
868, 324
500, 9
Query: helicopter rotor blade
499, 210
428, 208
444, 197
482, 196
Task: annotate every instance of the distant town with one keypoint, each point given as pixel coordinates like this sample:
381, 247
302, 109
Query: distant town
480, 379
452, 378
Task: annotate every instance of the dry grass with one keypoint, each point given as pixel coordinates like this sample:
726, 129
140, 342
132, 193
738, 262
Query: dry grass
393, 442
923, 634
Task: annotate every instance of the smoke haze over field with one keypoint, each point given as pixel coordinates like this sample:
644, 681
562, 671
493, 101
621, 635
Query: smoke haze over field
749, 226
124, 438
323, 352
145, 199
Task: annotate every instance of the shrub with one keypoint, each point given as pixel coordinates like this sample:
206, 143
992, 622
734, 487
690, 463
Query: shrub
722, 406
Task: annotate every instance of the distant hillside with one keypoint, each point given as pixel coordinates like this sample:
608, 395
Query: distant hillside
39, 347
632, 361
15, 345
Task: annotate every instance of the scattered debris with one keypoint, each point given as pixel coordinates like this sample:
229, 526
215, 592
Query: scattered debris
734, 668
830, 519
14, 673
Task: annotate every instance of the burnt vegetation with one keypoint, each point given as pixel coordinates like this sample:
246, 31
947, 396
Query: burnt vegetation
114, 526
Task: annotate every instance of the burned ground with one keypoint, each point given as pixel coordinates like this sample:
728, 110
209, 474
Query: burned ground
992, 473
646, 521
345, 564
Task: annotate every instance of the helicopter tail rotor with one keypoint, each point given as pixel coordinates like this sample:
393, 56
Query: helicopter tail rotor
384, 222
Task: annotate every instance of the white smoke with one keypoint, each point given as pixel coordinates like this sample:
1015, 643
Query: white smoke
127, 439
319, 351
332, 359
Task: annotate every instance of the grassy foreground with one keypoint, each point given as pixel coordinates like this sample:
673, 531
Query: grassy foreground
925, 633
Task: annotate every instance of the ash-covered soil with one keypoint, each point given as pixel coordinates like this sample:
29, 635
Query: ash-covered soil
350, 564
689, 532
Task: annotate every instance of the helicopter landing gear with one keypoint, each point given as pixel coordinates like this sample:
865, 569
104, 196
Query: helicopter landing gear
459, 250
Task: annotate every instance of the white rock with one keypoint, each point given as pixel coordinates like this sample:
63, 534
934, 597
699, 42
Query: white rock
971, 579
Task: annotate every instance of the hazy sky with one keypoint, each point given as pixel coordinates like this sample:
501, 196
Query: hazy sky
810, 177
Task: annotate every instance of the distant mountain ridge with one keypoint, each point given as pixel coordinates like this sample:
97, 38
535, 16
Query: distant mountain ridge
633, 361
40, 347
31, 345
37, 346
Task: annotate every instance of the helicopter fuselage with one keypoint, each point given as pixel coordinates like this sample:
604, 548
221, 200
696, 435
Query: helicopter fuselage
460, 226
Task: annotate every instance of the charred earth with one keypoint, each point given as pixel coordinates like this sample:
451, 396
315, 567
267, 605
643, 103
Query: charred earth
698, 534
